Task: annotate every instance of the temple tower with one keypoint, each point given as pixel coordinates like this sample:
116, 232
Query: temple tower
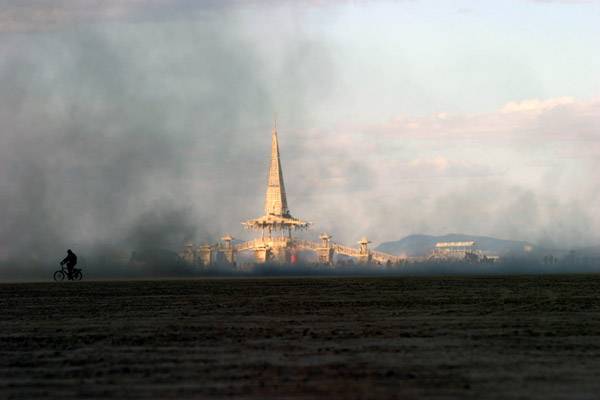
325, 252
365, 255
275, 198
205, 255
228, 250
187, 254
276, 225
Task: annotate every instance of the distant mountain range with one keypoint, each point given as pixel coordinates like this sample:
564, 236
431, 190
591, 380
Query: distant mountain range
422, 245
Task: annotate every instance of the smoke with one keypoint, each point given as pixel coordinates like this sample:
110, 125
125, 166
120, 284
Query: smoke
121, 137
134, 126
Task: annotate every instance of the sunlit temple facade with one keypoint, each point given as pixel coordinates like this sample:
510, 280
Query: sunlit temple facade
276, 242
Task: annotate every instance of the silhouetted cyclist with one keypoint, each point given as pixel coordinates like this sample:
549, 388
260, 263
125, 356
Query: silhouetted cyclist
71, 261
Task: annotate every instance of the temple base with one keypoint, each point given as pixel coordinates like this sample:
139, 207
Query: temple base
274, 250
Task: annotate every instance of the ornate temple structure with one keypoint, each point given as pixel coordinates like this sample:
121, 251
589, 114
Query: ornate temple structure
277, 222
276, 243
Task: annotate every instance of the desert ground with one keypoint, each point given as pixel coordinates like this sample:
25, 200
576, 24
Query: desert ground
293, 338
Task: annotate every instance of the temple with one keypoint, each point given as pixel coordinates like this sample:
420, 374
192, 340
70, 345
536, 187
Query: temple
276, 243
277, 220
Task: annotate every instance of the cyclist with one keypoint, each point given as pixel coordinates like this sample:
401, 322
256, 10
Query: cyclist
71, 261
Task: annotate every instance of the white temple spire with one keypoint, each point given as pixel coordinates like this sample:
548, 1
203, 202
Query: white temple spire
275, 199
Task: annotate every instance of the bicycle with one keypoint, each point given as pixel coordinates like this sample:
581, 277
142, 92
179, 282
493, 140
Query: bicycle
63, 273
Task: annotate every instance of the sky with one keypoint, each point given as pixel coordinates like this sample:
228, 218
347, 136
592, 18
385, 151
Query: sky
144, 123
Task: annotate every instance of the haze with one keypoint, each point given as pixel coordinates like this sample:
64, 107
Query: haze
129, 124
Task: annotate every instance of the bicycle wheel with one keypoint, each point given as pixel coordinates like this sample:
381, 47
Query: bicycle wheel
77, 275
59, 276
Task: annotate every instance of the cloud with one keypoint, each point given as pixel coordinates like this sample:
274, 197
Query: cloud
40, 15
560, 118
524, 171
440, 166
536, 105
28, 15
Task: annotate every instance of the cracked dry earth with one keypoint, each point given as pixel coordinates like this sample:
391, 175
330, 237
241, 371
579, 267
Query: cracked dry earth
292, 338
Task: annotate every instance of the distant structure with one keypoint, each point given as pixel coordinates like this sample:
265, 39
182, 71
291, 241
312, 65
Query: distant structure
460, 251
276, 243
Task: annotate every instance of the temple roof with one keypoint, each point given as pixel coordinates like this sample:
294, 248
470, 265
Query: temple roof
275, 222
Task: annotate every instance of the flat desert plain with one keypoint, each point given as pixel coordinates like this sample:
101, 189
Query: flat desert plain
291, 338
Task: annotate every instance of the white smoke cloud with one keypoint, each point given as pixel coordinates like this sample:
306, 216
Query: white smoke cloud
134, 135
